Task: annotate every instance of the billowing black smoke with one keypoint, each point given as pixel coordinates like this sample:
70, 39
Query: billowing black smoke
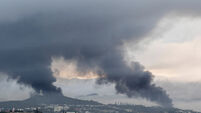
90, 32
133, 81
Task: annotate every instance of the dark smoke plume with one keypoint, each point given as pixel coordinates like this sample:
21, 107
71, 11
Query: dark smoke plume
133, 81
90, 32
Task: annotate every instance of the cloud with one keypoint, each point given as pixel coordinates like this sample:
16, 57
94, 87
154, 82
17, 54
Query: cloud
175, 49
10, 90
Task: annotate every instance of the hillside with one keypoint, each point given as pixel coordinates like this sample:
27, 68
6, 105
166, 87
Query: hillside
46, 99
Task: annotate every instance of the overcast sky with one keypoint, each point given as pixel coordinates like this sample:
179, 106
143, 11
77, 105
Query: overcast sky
78, 40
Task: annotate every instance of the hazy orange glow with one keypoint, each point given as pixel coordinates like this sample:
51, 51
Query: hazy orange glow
67, 69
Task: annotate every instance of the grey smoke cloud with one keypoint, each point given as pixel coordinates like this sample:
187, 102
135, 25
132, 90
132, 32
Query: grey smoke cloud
90, 32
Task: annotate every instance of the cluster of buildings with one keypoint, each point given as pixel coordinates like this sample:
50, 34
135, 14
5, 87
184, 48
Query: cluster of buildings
56, 108
52, 108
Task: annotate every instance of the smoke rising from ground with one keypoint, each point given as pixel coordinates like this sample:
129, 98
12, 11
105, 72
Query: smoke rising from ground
90, 32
